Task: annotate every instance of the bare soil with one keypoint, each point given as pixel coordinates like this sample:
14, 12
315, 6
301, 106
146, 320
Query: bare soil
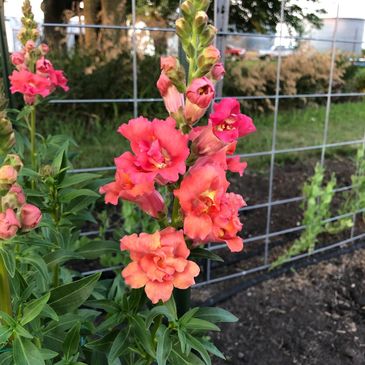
314, 316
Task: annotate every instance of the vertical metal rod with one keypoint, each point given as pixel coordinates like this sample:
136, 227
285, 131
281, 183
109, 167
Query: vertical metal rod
134, 55
273, 147
329, 92
355, 214
221, 20
5, 56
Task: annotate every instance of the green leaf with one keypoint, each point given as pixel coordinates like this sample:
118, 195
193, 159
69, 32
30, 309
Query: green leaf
143, 335
103, 344
177, 357
94, 249
164, 346
119, 345
6, 358
34, 308
38, 263
197, 324
28, 172
216, 315
188, 316
5, 333
72, 341
26, 353
198, 346
48, 354
171, 306
182, 339
212, 348
203, 253
156, 311
22, 332
74, 179
9, 261
48, 312
104, 304
69, 297
61, 256
60, 158
68, 195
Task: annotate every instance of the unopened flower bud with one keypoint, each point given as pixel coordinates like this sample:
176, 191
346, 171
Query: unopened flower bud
8, 176
35, 34
202, 4
209, 57
30, 216
187, 9
17, 58
218, 71
208, 35
46, 171
9, 224
200, 21
183, 29
14, 198
29, 46
43, 48
14, 161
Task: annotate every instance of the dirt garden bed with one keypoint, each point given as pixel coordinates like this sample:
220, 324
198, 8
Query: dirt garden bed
313, 316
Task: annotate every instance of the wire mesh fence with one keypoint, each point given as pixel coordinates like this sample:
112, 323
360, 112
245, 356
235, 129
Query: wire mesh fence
221, 21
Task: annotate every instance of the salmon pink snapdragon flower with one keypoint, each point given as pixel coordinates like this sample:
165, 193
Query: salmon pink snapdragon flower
160, 150
159, 263
227, 121
141, 193
199, 195
30, 85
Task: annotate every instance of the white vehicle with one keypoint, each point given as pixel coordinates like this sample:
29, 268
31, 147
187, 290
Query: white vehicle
274, 51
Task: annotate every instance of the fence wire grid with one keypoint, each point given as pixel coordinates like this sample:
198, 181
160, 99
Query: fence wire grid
221, 21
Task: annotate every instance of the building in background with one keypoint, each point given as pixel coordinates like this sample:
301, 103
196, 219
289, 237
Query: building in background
350, 30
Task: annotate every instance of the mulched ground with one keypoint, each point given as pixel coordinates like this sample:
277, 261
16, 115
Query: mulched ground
314, 316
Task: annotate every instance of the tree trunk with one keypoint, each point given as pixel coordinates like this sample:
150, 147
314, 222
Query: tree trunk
54, 13
91, 10
113, 12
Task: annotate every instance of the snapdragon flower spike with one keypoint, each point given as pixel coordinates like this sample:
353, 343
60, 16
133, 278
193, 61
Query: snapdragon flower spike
160, 150
159, 263
35, 75
141, 193
227, 121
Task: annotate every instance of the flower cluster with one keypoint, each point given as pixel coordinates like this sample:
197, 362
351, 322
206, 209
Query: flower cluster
191, 160
15, 213
34, 75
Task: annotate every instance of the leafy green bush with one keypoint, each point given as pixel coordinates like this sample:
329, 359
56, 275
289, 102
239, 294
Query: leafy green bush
301, 73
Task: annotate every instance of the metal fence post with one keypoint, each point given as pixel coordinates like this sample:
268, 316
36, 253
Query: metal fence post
5, 56
221, 19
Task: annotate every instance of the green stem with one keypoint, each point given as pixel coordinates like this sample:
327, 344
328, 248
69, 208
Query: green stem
182, 299
33, 150
5, 298
175, 216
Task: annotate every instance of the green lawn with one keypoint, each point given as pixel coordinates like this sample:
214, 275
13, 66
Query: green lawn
99, 144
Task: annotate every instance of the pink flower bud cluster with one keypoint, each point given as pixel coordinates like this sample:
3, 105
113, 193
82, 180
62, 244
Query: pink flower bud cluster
15, 213
35, 75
